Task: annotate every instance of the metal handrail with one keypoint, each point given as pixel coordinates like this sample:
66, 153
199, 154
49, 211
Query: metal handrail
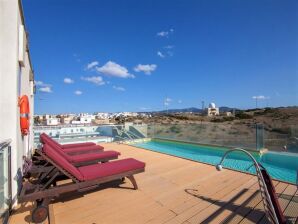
5, 143
261, 181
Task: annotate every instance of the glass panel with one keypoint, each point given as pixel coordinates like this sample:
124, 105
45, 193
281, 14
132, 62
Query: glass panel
4, 183
92, 133
229, 135
281, 137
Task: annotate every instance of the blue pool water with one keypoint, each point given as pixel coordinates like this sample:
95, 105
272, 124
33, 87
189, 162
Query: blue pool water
281, 166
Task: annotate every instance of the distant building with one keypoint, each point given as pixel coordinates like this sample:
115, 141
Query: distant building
229, 114
84, 119
52, 121
66, 120
102, 121
212, 110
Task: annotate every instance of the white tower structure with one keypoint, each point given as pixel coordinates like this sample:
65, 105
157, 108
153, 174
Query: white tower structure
212, 110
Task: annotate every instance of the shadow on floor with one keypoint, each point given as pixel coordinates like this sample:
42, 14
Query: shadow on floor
229, 205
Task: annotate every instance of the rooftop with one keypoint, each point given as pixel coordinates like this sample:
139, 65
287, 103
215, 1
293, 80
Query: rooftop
171, 190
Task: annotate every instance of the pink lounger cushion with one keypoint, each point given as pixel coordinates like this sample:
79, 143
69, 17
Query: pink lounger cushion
86, 156
80, 150
95, 171
45, 139
65, 146
62, 162
92, 172
94, 156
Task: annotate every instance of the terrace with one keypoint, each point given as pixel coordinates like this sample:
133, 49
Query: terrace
171, 190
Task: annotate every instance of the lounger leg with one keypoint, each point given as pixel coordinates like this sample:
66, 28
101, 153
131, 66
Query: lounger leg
133, 181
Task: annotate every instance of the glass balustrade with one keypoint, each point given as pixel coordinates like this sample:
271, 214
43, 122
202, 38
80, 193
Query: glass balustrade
5, 180
229, 134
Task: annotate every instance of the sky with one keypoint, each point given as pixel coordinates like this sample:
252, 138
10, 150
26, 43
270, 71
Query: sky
132, 55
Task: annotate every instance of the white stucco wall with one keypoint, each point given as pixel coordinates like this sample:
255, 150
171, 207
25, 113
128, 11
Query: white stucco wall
14, 82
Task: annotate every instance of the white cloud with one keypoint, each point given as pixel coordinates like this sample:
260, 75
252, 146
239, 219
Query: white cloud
119, 88
179, 101
167, 101
160, 54
91, 65
68, 81
169, 47
46, 89
43, 87
170, 53
261, 97
97, 80
78, 92
144, 108
147, 69
165, 33
76, 56
41, 84
113, 69
38, 83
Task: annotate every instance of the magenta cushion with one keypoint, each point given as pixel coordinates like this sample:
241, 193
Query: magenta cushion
85, 157
95, 171
62, 162
77, 145
45, 139
52, 143
94, 156
83, 150
59, 151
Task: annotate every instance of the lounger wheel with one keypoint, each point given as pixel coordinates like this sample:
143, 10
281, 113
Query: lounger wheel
40, 214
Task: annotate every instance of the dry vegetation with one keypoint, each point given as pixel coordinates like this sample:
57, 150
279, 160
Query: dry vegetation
280, 128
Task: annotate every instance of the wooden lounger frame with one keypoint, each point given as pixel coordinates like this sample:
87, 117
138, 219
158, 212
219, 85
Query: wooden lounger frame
46, 187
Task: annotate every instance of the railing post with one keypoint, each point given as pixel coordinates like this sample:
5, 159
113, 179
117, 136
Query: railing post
259, 136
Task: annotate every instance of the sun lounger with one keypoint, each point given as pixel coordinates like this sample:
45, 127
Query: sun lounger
65, 146
83, 178
92, 157
71, 148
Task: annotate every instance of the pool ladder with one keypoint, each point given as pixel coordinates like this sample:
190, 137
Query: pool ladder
268, 206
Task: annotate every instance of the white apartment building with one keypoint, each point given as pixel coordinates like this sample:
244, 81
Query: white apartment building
52, 121
16, 80
84, 119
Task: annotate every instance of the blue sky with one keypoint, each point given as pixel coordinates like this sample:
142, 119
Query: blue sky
140, 55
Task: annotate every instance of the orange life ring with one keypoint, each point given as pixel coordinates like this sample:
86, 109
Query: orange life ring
24, 114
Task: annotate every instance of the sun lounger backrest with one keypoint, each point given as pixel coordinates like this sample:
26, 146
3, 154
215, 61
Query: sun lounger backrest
45, 139
62, 162
60, 151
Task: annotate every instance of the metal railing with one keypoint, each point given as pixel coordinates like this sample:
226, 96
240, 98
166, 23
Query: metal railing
267, 201
5, 180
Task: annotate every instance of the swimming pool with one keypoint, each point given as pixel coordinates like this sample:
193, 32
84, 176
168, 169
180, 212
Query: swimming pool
281, 166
